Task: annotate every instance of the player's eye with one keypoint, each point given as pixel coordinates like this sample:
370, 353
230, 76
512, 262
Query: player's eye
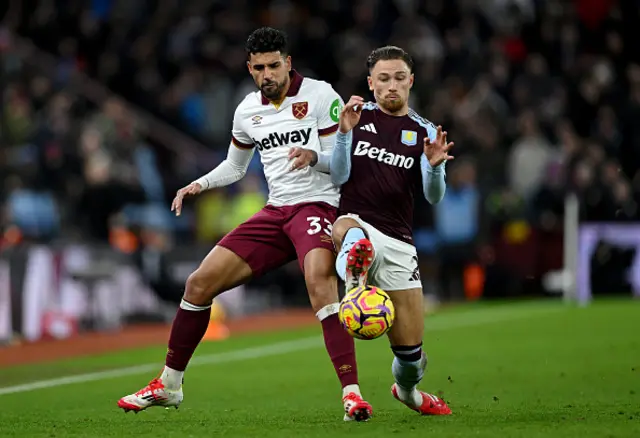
258, 67
274, 65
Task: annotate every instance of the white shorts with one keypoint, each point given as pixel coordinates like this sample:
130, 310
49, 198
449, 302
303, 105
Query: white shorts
395, 266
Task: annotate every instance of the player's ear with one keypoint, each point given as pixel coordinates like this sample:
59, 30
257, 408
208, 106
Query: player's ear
411, 80
287, 62
370, 82
249, 66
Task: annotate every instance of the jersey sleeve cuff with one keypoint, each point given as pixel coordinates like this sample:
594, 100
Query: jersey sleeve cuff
428, 167
324, 162
327, 131
240, 144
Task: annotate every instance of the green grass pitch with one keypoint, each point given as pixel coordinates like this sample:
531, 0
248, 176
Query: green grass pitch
533, 369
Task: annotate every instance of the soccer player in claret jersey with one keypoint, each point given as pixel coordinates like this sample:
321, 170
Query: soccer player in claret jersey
384, 153
287, 111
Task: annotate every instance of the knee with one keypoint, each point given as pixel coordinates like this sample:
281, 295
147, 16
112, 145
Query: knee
322, 288
340, 228
199, 289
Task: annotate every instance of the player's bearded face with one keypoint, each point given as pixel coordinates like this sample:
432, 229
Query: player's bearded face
270, 72
391, 80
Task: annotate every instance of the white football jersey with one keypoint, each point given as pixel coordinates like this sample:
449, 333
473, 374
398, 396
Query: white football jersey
309, 111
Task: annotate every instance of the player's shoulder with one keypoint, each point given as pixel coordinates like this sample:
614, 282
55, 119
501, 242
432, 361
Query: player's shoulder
249, 103
418, 119
316, 88
423, 122
369, 110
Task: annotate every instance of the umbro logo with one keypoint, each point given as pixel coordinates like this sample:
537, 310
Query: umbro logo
370, 127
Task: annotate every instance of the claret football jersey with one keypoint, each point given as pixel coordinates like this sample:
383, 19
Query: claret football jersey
385, 173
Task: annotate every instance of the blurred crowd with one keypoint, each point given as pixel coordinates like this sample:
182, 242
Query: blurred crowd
541, 97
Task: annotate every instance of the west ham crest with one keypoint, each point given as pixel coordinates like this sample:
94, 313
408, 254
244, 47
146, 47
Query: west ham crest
300, 109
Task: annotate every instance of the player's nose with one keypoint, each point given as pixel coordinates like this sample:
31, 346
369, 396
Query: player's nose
269, 73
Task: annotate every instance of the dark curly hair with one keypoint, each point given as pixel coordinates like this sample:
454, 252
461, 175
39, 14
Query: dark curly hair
267, 39
386, 53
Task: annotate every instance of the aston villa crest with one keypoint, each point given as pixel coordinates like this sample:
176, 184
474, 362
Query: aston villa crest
410, 138
300, 109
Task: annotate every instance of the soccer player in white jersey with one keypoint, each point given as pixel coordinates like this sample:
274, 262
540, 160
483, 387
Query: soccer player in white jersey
379, 164
287, 111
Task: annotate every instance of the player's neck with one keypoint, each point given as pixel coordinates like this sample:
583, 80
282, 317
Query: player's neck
400, 113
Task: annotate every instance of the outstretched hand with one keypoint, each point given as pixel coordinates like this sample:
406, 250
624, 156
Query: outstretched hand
192, 189
350, 114
437, 151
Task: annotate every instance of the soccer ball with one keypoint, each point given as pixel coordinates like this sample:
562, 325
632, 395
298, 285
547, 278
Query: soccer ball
366, 312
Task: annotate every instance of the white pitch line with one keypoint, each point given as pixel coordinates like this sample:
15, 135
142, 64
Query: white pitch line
231, 356
473, 319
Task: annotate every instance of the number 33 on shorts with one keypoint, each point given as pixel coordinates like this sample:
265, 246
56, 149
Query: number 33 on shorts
316, 225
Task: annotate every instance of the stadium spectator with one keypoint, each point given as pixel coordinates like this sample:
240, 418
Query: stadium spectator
543, 96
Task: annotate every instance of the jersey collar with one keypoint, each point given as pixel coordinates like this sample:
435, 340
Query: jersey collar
294, 87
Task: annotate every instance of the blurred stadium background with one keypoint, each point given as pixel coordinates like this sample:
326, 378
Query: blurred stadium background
109, 106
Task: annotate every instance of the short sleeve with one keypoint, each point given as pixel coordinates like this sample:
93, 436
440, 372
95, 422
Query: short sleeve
329, 106
432, 133
238, 136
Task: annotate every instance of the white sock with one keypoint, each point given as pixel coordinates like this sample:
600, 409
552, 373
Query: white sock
186, 305
327, 311
349, 389
407, 376
350, 239
171, 378
413, 397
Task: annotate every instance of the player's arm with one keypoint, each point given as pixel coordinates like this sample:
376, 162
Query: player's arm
336, 155
340, 163
341, 154
232, 169
432, 164
328, 116
235, 166
433, 181
336, 161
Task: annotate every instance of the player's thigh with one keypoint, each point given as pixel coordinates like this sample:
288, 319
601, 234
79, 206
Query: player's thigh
309, 229
408, 326
396, 264
258, 245
219, 271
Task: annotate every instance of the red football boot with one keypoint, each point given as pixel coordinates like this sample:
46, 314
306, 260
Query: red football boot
359, 260
431, 405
